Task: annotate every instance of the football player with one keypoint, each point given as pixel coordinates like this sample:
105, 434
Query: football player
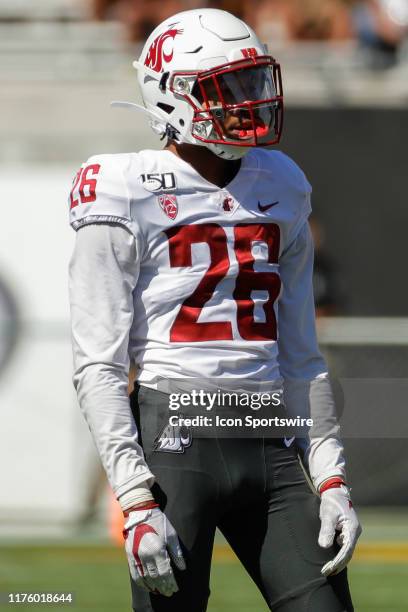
195, 262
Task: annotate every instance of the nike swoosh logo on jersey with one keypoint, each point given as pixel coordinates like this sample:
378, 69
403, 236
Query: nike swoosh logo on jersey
265, 207
288, 441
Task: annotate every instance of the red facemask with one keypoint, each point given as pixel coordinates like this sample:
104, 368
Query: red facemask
239, 103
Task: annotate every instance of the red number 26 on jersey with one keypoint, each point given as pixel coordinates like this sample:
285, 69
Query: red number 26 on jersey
186, 327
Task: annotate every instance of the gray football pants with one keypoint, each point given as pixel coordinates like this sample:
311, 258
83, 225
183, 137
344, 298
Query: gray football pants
255, 492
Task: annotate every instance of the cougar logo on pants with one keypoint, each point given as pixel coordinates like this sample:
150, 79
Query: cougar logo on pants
173, 439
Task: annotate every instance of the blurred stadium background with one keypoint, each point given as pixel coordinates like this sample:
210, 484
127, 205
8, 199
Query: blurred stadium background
345, 67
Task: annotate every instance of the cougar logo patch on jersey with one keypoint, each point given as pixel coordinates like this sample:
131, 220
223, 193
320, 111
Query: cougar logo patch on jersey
168, 204
173, 439
158, 181
156, 54
226, 203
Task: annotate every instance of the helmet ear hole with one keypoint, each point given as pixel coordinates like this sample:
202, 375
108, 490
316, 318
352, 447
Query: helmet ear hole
166, 107
181, 122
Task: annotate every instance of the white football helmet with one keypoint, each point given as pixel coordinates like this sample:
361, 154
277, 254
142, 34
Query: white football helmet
206, 79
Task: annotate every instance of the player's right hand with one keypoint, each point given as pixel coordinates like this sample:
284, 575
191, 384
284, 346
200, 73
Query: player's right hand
149, 540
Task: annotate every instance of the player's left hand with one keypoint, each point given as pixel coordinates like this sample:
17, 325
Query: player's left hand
338, 515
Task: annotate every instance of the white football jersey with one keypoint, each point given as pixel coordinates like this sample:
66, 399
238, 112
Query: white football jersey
206, 298
190, 280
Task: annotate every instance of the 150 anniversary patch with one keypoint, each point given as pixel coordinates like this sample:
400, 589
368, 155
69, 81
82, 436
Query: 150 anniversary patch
158, 181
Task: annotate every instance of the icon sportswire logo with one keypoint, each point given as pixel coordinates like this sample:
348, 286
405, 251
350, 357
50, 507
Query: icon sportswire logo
156, 55
265, 207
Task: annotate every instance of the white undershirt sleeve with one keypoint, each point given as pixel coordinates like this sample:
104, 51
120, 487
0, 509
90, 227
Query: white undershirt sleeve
307, 387
104, 270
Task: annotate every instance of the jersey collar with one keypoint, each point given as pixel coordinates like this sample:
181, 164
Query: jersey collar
238, 187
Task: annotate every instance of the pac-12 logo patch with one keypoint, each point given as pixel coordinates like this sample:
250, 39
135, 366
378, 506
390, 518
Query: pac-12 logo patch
156, 54
168, 204
173, 439
156, 181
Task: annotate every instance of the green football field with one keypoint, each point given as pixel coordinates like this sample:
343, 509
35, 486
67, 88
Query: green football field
96, 573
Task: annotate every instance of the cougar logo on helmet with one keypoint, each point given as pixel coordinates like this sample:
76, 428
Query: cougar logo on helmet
156, 55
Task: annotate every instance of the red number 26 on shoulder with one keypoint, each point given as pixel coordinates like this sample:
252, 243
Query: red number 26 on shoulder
87, 185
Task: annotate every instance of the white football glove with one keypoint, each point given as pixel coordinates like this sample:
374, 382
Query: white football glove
148, 536
337, 514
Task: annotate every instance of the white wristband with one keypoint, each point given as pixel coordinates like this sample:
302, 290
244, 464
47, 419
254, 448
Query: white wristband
141, 494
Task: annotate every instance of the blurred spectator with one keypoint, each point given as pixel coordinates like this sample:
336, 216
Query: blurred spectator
380, 26
237, 7
142, 16
288, 20
272, 19
139, 16
325, 282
